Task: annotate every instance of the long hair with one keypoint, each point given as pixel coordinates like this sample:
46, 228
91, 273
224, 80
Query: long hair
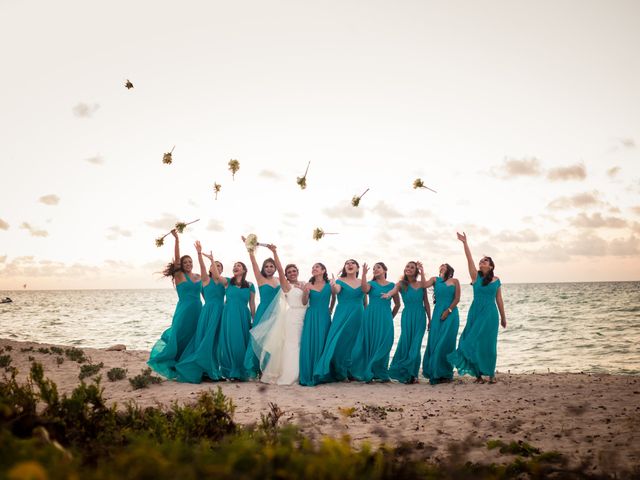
488, 278
384, 267
243, 281
343, 273
448, 273
404, 281
170, 270
216, 263
325, 277
265, 263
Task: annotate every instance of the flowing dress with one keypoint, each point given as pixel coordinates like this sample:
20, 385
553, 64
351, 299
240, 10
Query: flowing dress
370, 355
334, 364
169, 348
317, 321
442, 335
478, 345
405, 365
200, 357
234, 331
277, 338
267, 294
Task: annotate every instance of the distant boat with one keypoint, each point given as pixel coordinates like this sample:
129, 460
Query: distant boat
6, 300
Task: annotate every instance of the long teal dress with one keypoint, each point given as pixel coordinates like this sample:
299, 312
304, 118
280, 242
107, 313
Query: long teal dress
442, 335
371, 352
168, 350
317, 321
478, 345
251, 362
201, 355
334, 364
234, 332
406, 360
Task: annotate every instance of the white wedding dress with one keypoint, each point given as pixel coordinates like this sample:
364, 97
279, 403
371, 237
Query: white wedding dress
276, 339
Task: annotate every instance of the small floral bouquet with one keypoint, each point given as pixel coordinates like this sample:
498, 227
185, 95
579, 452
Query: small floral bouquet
418, 183
167, 158
180, 226
355, 201
216, 189
302, 181
251, 242
318, 233
234, 166
128, 84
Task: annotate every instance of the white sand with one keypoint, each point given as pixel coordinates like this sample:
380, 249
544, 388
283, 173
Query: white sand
585, 417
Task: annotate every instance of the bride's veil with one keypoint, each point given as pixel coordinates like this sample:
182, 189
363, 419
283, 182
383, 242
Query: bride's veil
267, 338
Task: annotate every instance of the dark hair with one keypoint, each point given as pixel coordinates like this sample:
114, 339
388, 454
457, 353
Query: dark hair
170, 270
384, 267
486, 280
216, 263
343, 273
325, 277
264, 264
448, 272
243, 281
404, 281
289, 266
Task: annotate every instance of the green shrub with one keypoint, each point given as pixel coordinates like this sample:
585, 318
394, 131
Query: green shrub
56, 350
76, 355
116, 373
5, 361
89, 369
144, 379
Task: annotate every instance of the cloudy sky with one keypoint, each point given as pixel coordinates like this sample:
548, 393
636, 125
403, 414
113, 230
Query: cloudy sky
523, 116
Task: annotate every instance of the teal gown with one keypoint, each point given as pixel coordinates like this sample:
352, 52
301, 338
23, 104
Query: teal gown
168, 350
317, 321
406, 360
478, 345
200, 358
442, 335
251, 362
370, 355
334, 364
234, 332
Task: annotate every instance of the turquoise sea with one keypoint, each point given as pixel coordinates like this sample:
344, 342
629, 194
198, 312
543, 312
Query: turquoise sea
558, 327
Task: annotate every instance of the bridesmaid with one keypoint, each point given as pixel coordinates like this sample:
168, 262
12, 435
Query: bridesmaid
317, 321
443, 330
477, 348
268, 286
200, 358
334, 364
371, 351
166, 352
405, 365
235, 322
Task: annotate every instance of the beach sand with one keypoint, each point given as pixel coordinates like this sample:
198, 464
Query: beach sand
586, 417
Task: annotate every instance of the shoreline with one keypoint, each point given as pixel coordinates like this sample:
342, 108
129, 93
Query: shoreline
586, 417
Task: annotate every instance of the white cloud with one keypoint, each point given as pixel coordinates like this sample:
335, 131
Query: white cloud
386, 211
523, 236
596, 220
215, 225
49, 199
269, 174
575, 201
572, 172
513, 167
95, 160
343, 210
167, 221
116, 232
613, 171
34, 231
84, 110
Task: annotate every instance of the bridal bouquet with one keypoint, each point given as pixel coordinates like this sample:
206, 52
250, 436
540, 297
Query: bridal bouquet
251, 242
302, 181
167, 158
180, 226
216, 189
234, 166
318, 233
418, 183
355, 201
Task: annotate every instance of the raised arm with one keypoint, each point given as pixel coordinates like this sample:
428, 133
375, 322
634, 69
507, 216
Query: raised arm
215, 274
176, 248
256, 268
392, 292
473, 273
365, 285
430, 283
503, 316
204, 275
396, 305
422, 282
284, 283
454, 303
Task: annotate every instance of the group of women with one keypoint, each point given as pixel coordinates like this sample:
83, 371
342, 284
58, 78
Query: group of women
295, 336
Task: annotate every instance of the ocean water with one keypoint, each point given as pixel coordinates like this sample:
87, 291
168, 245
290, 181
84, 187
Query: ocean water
558, 327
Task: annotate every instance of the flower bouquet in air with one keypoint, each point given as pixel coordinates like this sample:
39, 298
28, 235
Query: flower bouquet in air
180, 226
318, 233
251, 242
167, 158
418, 183
302, 181
216, 189
355, 201
234, 166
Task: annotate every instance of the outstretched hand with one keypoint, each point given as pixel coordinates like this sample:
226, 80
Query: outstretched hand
174, 232
208, 255
306, 288
198, 247
365, 269
332, 282
462, 237
272, 247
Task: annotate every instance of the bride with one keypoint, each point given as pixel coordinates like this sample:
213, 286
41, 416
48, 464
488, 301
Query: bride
276, 339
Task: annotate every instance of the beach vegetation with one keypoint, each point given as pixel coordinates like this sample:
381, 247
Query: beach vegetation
144, 379
89, 370
59, 360
116, 374
5, 361
75, 355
